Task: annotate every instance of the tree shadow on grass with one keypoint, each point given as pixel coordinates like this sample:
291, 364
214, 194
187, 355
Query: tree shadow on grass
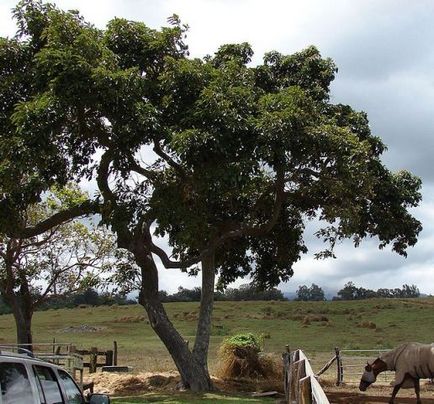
184, 398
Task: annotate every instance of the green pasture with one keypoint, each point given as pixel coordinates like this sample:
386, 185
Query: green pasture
313, 326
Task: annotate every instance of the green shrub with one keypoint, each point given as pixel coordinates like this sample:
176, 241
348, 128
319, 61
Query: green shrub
246, 340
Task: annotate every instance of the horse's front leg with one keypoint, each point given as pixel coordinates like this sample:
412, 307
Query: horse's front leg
395, 392
417, 390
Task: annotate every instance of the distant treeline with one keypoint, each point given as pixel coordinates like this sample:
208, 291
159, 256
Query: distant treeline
244, 292
352, 292
92, 297
314, 292
88, 297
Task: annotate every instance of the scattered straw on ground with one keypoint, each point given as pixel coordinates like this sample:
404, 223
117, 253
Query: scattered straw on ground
123, 384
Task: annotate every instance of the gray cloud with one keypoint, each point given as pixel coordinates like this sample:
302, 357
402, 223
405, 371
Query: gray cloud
400, 112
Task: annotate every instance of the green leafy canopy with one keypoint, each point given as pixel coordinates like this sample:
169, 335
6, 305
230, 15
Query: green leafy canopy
242, 154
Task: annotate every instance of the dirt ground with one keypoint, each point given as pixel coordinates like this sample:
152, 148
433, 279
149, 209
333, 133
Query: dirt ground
121, 384
377, 394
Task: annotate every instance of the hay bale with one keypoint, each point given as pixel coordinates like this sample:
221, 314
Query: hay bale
239, 357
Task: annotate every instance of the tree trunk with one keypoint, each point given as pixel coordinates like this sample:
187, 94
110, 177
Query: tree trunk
21, 303
23, 320
194, 374
201, 345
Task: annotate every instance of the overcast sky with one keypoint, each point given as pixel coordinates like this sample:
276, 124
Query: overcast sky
384, 50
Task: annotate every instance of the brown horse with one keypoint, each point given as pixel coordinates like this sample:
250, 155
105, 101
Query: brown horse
411, 362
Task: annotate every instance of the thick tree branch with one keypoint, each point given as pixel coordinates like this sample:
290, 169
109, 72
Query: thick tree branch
38, 243
160, 152
149, 174
103, 175
241, 231
86, 208
124, 236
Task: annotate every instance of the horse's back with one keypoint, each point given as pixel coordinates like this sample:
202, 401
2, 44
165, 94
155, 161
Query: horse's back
417, 360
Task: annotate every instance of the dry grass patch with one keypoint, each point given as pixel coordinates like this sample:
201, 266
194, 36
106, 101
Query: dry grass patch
131, 319
367, 324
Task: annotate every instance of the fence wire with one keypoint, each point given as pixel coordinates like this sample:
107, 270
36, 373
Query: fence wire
354, 362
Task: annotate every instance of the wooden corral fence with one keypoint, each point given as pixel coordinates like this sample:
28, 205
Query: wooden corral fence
109, 357
300, 383
63, 354
68, 356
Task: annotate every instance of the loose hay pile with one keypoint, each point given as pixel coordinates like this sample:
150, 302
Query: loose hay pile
240, 357
125, 384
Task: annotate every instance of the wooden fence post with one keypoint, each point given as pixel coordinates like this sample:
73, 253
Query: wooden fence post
109, 358
305, 391
286, 358
302, 387
93, 359
340, 368
115, 353
301, 373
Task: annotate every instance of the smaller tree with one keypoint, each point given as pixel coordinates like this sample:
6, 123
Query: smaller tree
252, 292
58, 262
89, 296
312, 293
348, 292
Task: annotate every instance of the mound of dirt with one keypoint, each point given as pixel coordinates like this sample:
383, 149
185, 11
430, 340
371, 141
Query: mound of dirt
81, 328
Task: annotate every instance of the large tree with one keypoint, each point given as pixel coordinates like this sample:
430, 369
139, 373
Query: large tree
65, 259
225, 159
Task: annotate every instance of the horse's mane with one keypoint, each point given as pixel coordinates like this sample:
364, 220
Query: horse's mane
390, 357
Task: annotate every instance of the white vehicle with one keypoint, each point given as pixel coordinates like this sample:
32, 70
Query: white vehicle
25, 380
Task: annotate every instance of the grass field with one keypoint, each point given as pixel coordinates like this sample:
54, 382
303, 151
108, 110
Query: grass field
313, 326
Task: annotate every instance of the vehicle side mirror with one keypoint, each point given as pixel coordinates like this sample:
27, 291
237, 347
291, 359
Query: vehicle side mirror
99, 399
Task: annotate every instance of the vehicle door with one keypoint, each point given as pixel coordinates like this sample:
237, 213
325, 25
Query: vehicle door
71, 391
48, 384
15, 384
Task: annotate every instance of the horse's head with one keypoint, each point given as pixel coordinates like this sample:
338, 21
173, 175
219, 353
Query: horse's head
369, 376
